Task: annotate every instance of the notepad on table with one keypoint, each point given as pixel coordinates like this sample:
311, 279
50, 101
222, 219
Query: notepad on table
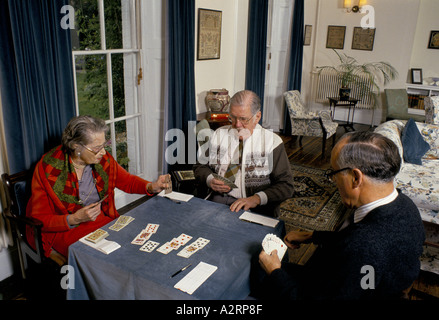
258, 219
196, 277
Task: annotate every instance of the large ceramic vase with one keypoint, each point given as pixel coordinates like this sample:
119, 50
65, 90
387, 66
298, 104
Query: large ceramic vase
218, 101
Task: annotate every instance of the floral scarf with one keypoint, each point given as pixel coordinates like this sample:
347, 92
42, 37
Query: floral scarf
61, 175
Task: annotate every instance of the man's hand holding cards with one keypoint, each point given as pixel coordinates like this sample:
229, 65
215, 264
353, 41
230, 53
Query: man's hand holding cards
221, 184
272, 242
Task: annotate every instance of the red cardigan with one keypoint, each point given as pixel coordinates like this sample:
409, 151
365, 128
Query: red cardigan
46, 206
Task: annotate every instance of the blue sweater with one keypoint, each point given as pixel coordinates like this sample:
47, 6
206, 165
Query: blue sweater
376, 258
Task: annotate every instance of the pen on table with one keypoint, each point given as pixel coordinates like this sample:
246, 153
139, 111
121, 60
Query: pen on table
182, 269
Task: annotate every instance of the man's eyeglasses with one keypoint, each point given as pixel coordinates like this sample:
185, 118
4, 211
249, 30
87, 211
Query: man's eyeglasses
96, 150
244, 121
329, 174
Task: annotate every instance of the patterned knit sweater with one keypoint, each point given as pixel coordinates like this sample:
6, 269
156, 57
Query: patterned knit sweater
376, 258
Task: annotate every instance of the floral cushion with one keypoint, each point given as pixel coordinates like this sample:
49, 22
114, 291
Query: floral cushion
418, 182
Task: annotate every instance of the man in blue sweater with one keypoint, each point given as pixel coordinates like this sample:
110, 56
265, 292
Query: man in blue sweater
375, 254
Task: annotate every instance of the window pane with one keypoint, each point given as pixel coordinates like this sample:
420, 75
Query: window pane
124, 69
117, 67
122, 144
91, 77
113, 24
127, 145
86, 35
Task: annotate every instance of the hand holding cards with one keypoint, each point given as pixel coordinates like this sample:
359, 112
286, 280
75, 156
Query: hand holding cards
226, 181
272, 242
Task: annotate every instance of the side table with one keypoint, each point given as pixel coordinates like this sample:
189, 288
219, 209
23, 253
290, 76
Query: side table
351, 102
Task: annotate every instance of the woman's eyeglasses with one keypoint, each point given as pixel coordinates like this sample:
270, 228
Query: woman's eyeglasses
329, 174
96, 150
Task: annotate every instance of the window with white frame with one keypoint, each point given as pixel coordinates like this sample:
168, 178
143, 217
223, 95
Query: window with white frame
106, 64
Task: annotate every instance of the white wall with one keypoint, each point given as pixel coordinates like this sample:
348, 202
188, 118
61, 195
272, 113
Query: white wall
422, 57
229, 71
395, 22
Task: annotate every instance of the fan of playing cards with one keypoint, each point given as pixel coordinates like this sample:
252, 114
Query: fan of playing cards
272, 242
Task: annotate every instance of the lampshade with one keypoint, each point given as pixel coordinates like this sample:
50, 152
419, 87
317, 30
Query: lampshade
347, 3
362, 3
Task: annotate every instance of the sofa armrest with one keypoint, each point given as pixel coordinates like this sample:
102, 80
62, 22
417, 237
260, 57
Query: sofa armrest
392, 130
430, 133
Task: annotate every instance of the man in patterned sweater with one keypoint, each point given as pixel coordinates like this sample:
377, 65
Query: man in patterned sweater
253, 158
375, 254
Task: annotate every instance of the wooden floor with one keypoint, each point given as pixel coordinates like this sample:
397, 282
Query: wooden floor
426, 287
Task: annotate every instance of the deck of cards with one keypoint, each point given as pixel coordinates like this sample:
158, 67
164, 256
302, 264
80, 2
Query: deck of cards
169, 182
272, 242
145, 234
97, 236
189, 250
121, 223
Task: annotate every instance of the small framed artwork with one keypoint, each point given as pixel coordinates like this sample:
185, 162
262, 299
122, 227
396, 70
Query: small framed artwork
335, 37
417, 76
363, 39
209, 34
307, 35
434, 40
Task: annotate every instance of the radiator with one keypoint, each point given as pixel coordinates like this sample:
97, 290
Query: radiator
328, 84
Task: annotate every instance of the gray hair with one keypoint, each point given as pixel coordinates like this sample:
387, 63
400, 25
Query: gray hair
375, 155
79, 130
246, 97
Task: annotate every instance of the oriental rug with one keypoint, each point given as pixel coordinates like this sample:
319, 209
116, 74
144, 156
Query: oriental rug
315, 205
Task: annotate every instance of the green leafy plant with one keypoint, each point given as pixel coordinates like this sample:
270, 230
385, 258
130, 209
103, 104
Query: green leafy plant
364, 79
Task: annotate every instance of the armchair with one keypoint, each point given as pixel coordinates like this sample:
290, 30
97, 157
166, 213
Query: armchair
17, 189
398, 104
311, 124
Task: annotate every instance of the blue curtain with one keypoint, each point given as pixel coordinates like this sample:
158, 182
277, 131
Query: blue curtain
35, 77
180, 73
257, 47
296, 57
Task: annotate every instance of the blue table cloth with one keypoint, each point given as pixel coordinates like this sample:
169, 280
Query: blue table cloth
129, 273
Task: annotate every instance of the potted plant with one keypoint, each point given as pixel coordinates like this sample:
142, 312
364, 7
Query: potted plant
364, 78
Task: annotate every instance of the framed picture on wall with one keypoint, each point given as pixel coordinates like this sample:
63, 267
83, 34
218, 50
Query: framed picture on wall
209, 34
363, 39
335, 37
417, 76
434, 40
307, 35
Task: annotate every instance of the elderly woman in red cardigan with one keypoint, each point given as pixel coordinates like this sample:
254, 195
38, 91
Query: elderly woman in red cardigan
69, 181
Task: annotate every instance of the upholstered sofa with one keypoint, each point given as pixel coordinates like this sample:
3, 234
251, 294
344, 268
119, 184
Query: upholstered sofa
419, 182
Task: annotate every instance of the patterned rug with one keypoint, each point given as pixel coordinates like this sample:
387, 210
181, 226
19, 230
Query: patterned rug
315, 205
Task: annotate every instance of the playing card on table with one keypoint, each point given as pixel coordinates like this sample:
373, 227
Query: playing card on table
165, 249
184, 238
152, 227
121, 222
142, 237
149, 246
175, 243
97, 235
201, 242
272, 242
187, 251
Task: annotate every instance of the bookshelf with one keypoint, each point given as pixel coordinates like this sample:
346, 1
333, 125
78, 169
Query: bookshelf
416, 94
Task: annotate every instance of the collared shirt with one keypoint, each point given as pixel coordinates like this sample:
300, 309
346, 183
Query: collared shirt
361, 212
